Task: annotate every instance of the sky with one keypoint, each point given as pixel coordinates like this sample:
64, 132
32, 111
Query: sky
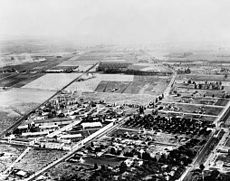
117, 21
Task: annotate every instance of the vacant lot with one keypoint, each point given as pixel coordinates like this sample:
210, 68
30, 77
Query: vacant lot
11, 153
37, 159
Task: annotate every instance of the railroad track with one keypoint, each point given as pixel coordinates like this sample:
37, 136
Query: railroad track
20, 120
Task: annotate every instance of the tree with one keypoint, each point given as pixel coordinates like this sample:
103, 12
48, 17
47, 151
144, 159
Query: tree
146, 156
202, 167
95, 166
123, 167
113, 151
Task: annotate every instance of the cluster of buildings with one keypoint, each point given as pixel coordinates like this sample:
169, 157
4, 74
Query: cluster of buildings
63, 121
206, 85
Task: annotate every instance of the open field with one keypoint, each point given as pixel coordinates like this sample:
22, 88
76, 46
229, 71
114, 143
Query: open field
91, 84
118, 98
8, 118
16, 102
149, 67
26, 72
153, 85
54, 81
140, 85
72, 62
112, 86
19, 80
82, 66
37, 159
117, 83
10, 154
20, 96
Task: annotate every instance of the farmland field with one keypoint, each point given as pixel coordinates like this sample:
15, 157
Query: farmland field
73, 62
118, 98
54, 81
91, 84
27, 72
149, 67
112, 86
17, 97
140, 85
153, 85
19, 80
